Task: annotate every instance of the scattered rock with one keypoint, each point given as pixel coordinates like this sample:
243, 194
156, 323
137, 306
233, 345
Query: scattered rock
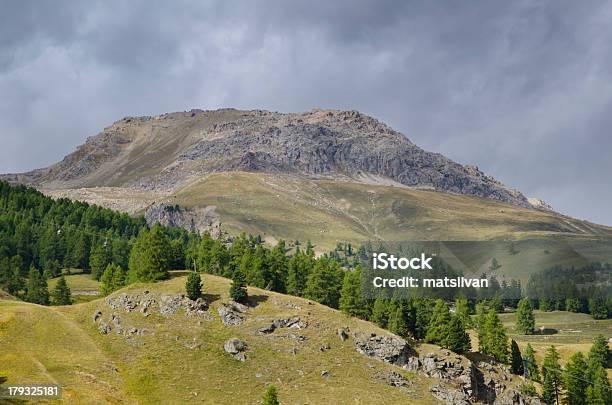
513, 397
293, 322
449, 395
395, 379
198, 307
325, 374
230, 314
267, 329
104, 328
324, 347
343, 333
236, 348
97, 315
170, 304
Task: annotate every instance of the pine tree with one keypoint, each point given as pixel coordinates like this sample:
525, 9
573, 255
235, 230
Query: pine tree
238, 291
599, 392
423, 314
297, 272
379, 312
551, 375
193, 286
324, 282
150, 256
106, 280
37, 291
99, 258
599, 355
479, 324
525, 321
61, 293
271, 396
457, 338
496, 340
462, 309
574, 381
532, 365
119, 278
352, 302
516, 358
438, 326
397, 323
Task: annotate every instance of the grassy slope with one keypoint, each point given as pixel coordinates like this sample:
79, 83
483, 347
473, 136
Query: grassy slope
574, 333
46, 344
331, 211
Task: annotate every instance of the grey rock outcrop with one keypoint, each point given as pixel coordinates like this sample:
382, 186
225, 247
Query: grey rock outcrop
390, 349
231, 314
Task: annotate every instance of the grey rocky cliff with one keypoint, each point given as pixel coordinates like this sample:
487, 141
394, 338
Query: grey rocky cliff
171, 150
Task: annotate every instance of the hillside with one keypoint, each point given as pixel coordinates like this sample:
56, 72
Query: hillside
150, 357
327, 212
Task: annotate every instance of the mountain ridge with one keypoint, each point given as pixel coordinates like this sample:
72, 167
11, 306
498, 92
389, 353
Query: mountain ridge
170, 150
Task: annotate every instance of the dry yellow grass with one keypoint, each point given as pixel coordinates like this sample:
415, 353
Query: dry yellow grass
46, 344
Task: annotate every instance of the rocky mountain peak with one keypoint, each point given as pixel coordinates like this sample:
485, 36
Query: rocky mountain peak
170, 150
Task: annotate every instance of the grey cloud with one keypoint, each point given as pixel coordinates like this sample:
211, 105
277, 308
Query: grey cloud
521, 89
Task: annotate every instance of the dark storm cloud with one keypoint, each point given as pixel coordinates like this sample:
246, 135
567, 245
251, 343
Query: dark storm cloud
521, 89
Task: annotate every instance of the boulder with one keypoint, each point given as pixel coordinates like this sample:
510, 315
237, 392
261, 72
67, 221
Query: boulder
236, 348
343, 333
390, 348
97, 315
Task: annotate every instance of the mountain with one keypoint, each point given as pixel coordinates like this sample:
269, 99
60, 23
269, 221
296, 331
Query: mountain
169, 151
328, 176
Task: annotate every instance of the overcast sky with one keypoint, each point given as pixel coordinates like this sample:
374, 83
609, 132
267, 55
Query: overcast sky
521, 89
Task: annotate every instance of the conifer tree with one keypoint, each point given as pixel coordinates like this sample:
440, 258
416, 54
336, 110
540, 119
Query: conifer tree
397, 323
37, 291
423, 314
479, 324
238, 291
599, 355
438, 326
271, 396
462, 309
352, 302
573, 380
525, 321
193, 286
516, 359
298, 268
324, 282
457, 338
119, 278
61, 293
99, 258
149, 258
599, 392
379, 312
551, 376
496, 340
532, 365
